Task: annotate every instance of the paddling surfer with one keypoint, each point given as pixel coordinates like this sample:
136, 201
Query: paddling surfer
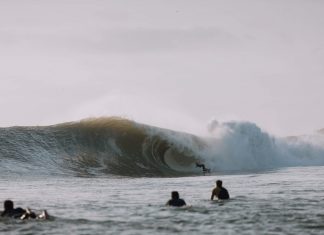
10, 211
175, 200
220, 192
19, 213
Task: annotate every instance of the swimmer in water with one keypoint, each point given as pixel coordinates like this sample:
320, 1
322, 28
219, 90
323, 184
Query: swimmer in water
10, 211
220, 192
175, 200
19, 213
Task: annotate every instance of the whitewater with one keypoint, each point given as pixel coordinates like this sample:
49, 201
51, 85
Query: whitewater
113, 176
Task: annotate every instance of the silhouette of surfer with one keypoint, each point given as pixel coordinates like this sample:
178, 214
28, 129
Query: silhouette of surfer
19, 213
10, 211
205, 170
220, 192
175, 200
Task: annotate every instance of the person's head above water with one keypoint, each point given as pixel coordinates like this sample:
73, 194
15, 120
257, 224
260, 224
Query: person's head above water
219, 183
175, 200
8, 205
175, 195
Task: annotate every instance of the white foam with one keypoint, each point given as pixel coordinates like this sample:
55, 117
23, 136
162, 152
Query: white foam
244, 146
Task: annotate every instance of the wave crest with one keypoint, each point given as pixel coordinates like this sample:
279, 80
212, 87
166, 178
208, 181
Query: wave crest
121, 147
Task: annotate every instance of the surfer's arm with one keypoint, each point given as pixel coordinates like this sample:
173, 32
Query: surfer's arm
212, 195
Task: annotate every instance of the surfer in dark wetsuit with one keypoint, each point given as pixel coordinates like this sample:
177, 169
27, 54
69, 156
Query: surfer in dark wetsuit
220, 192
19, 213
175, 200
205, 170
10, 211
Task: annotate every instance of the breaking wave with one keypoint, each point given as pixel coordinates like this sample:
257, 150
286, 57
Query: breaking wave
120, 147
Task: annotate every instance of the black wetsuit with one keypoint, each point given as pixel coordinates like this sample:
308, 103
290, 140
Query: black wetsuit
203, 167
200, 165
14, 213
176, 202
223, 194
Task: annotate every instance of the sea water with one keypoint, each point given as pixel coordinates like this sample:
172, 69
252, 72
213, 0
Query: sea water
285, 201
113, 176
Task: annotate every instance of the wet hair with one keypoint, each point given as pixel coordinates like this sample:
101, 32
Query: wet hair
219, 183
8, 205
175, 195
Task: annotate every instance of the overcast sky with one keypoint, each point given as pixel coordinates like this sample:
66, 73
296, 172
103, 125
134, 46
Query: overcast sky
175, 64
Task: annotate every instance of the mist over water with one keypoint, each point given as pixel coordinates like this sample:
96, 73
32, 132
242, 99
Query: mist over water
244, 146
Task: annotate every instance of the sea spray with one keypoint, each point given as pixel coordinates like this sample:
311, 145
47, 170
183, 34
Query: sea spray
243, 146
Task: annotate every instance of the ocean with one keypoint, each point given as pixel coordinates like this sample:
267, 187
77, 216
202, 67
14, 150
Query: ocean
114, 176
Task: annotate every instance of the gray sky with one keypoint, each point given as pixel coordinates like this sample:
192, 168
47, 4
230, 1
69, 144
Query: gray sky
175, 64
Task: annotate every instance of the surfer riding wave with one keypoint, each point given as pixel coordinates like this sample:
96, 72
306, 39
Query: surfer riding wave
205, 170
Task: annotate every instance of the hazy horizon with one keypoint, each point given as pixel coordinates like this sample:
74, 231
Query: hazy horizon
174, 64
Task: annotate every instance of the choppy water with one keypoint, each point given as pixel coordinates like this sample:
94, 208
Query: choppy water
286, 201
113, 176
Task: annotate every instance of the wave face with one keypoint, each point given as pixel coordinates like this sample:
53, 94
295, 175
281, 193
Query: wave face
120, 147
